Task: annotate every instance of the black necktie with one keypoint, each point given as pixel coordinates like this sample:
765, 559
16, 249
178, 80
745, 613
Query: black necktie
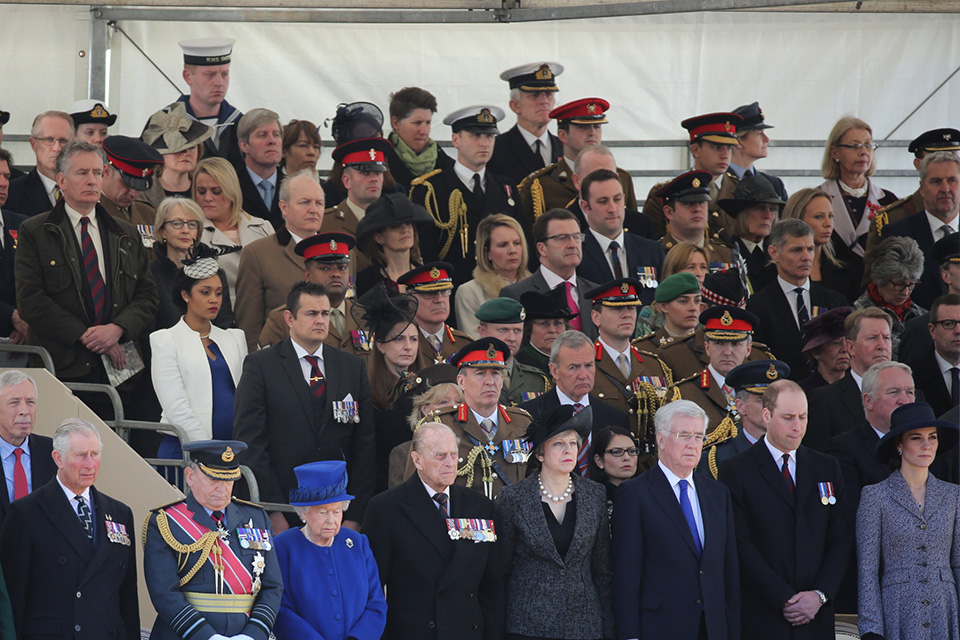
955, 386
538, 150
615, 258
803, 316
477, 186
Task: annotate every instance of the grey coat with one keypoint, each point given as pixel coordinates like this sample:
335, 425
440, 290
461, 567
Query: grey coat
549, 596
909, 561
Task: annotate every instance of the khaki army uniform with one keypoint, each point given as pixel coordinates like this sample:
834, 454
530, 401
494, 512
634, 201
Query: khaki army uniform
355, 340
640, 395
687, 357
526, 382
721, 255
702, 389
720, 221
344, 219
655, 341
478, 468
453, 340
552, 188
891, 213
139, 214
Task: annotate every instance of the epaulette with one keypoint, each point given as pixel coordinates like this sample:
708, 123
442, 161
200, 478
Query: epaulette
764, 348
667, 371
894, 205
249, 504
155, 509
518, 411
644, 337
678, 341
658, 186
533, 175
687, 379
425, 177
439, 411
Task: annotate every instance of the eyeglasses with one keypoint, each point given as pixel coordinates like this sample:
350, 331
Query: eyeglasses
857, 147
178, 224
946, 324
687, 436
617, 452
903, 286
564, 238
49, 142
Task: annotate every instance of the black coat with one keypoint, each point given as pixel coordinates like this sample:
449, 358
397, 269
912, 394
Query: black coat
603, 414
61, 585
8, 290
273, 414
641, 254
846, 278
661, 587
833, 409
787, 543
437, 588
28, 196
779, 331
514, 159
253, 201
402, 174
915, 340
929, 380
42, 469
168, 314
917, 227
759, 270
537, 282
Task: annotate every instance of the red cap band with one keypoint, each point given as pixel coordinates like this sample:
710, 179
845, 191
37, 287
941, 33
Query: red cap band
129, 169
332, 248
368, 155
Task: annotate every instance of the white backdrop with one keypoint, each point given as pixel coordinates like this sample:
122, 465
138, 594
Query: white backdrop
806, 69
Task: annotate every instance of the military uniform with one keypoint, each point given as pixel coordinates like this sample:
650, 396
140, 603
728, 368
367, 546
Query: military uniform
648, 373
655, 341
702, 389
453, 340
136, 162
893, 212
686, 356
526, 382
552, 188
721, 255
139, 214
355, 340
719, 223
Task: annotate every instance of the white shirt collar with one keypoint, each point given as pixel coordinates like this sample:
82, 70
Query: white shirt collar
935, 224
749, 244
778, 455
856, 378
721, 380
71, 495
789, 288
750, 438
553, 280
530, 139
493, 416
301, 352
879, 433
565, 399
673, 478
570, 163
48, 184
466, 175
438, 334
604, 241
75, 216
944, 365
614, 354
430, 493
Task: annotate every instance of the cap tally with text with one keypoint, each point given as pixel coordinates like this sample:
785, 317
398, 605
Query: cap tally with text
331, 247
617, 293
217, 459
728, 324
501, 311
755, 376
947, 249
752, 116
582, 111
433, 276
679, 284
713, 127
134, 159
207, 52
364, 154
535, 76
935, 140
547, 306
486, 353
91, 112
478, 118
692, 186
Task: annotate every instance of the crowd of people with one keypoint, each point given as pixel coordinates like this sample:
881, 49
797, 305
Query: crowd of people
500, 400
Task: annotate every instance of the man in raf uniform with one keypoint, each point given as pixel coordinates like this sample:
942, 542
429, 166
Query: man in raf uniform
326, 257
626, 379
727, 333
458, 195
128, 172
432, 285
492, 451
685, 202
528, 146
678, 300
91, 119
749, 381
578, 127
753, 146
926, 143
209, 560
503, 318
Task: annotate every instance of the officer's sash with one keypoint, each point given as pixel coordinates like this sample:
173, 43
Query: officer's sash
235, 575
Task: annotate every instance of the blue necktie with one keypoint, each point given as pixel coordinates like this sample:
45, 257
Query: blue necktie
688, 514
266, 192
86, 518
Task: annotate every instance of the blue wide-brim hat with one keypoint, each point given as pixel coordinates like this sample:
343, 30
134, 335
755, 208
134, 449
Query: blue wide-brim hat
320, 483
916, 415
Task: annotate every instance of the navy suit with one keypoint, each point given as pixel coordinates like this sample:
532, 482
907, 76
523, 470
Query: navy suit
603, 414
28, 196
917, 227
661, 586
833, 409
537, 282
8, 291
929, 380
641, 253
252, 200
42, 469
514, 159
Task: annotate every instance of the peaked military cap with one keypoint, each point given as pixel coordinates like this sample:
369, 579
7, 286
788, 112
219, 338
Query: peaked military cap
486, 353
134, 159
91, 112
331, 247
433, 276
728, 324
217, 459
364, 154
755, 376
936, 140
752, 116
692, 186
582, 111
535, 76
714, 127
478, 118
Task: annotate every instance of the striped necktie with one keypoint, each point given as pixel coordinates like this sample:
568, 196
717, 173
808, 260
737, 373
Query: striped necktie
86, 518
91, 266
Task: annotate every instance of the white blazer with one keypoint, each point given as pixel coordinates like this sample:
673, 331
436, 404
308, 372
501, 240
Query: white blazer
181, 374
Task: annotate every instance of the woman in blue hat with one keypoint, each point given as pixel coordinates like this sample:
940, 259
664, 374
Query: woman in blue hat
908, 535
331, 585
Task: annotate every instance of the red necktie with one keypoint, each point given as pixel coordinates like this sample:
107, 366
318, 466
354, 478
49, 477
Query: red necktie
19, 476
575, 323
91, 265
785, 471
318, 384
584, 455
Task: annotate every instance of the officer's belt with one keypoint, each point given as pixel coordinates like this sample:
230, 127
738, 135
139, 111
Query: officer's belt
220, 603
616, 383
493, 463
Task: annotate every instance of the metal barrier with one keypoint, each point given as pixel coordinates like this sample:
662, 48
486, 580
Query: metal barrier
31, 349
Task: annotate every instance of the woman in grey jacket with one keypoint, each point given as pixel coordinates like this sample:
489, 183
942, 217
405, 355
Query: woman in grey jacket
555, 540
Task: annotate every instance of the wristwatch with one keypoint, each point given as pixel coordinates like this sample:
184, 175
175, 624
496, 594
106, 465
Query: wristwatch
822, 596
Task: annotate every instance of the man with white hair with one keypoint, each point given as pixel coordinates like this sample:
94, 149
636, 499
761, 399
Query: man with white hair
68, 550
663, 521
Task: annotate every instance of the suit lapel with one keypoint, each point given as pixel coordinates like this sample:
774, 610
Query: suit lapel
806, 480
539, 283
712, 515
592, 252
331, 361
463, 552
104, 545
291, 366
770, 473
54, 504
667, 500
536, 523
850, 396
425, 516
716, 396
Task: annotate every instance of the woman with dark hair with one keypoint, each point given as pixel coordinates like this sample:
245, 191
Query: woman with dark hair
179, 138
414, 152
388, 237
394, 363
300, 146
825, 344
554, 538
908, 535
196, 365
613, 459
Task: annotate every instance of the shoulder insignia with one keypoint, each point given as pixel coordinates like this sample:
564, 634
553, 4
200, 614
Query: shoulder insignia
636, 353
705, 379
249, 504
764, 348
644, 337
533, 175
462, 412
659, 185
425, 177
880, 220
517, 411
894, 205
599, 349
155, 509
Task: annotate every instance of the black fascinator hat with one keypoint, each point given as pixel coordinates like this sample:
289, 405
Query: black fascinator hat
383, 313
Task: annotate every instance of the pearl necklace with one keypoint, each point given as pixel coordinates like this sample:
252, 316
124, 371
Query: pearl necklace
561, 497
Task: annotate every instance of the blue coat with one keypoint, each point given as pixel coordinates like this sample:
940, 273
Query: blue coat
329, 593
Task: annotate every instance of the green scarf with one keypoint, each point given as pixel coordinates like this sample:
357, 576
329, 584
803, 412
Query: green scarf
418, 163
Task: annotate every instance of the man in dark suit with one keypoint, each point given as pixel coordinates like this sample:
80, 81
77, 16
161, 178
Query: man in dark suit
936, 371
438, 587
886, 386
793, 521
674, 545
260, 138
560, 248
68, 550
301, 401
26, 456
10, 323
940, 189
609, 252
790, 301
838, 406
37, 191
528, 146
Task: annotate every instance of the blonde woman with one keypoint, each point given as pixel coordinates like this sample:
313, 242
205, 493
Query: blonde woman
501, 260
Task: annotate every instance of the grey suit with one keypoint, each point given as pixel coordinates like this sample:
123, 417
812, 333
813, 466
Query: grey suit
537, 283
549, 596
909, 561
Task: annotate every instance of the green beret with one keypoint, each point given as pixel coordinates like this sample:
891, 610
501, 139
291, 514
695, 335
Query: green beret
675, 286
501, 311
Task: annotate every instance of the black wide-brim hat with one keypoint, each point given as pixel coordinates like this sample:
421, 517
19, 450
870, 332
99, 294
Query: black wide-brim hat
751, 191
916, 415
555, 421
388, 210
546, 306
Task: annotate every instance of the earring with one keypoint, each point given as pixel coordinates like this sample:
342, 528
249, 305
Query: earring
899, 452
